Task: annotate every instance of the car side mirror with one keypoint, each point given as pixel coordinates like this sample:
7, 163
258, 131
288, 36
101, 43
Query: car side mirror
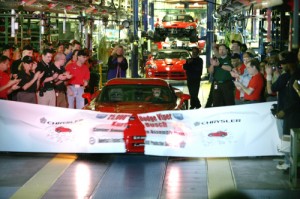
87, 96
185, 97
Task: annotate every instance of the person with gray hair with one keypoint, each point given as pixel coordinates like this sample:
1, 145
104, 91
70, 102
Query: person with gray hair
61, 80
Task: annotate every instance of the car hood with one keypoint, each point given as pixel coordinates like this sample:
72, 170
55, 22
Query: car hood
172, 64
177, 24
134, 108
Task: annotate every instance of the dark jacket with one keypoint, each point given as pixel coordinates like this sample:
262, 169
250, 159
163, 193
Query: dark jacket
193, 67
116, 69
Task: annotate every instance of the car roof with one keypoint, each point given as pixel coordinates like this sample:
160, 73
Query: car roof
137, 81
174, 14
173, 50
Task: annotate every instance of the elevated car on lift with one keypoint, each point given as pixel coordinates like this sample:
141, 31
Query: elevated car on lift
183, 43
167, 64
176, 25
130, 95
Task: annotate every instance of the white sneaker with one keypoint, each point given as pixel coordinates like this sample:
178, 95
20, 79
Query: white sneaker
283, 166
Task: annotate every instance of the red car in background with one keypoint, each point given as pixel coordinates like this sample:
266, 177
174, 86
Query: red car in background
176, 25
167, 64
129, 95
180, 44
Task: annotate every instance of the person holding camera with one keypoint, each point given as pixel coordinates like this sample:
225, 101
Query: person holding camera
273, 69
278, 83
290, 113
46, 94
193, 68
117, 64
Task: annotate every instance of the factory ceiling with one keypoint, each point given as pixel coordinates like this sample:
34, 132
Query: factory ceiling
121, 7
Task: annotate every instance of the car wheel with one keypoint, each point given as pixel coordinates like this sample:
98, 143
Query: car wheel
157, 37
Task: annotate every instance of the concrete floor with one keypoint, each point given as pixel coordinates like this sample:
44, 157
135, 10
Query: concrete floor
31, 175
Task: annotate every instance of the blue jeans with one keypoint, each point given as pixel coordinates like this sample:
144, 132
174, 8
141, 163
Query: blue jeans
77, 97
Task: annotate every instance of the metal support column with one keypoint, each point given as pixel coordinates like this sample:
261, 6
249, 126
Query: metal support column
145, 14
6, 30
261, 50
295, 44
151, 13
135, 54
210, 30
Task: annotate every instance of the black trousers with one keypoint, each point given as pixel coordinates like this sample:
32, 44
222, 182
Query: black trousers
194, 87
223, 93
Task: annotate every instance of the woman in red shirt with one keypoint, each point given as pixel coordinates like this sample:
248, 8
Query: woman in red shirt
254, 90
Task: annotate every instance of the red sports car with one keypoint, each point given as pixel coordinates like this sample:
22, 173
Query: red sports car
62, 129
218, 134
176, 25
136, 95
167, 64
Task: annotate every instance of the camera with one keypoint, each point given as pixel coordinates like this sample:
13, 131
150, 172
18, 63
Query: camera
274, 109
41, 93
274, 67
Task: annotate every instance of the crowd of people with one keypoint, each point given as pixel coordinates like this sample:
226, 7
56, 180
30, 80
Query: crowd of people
55, 77
240, 77
58, 76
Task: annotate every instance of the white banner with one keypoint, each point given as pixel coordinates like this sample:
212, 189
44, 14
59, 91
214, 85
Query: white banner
230, 131
35, 128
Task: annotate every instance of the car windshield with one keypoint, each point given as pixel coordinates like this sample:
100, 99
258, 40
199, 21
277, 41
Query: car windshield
135, 93
183, 18
172, 55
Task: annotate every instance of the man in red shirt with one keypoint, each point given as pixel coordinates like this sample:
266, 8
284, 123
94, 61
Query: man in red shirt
254, 90
80, 78
6, 85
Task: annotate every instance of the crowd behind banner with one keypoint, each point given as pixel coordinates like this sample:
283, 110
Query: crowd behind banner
57, 76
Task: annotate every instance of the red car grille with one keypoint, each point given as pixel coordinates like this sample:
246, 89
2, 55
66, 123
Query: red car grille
135, 144
170, 75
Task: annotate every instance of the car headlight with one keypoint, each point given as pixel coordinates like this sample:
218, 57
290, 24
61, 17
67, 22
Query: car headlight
190, 27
